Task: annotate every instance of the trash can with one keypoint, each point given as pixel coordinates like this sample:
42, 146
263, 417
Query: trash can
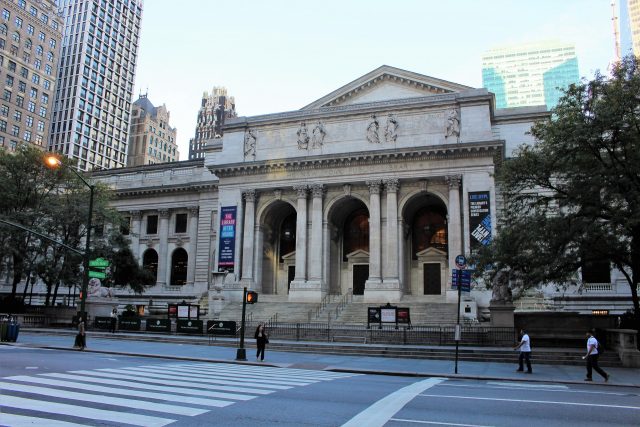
13, 330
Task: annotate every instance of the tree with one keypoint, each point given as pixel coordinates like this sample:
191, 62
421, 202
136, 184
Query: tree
573, 197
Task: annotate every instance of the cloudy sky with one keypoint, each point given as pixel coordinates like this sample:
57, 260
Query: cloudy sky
279, 55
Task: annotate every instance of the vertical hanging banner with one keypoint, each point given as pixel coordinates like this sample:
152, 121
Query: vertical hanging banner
226, 252
479, 219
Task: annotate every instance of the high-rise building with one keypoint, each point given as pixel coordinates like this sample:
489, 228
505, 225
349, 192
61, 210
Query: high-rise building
30, 40
95, 81
530, 74
214, 109
626, 27
151, 138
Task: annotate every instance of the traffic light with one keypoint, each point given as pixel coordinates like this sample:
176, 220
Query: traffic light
252, 297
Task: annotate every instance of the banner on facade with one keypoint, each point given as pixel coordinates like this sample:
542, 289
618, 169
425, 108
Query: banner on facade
479, 219
226, 250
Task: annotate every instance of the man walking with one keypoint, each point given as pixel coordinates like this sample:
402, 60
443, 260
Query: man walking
592, 358
525, 352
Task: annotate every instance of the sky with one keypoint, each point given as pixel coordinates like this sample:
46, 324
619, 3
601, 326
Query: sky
280, 55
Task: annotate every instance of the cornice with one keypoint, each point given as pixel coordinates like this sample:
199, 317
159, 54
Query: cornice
477, 95
355, 159
148, 191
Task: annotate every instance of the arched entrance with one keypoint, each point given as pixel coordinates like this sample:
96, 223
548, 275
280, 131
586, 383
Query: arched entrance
179, 262
150, 262
278, 236
425, 245
348, 266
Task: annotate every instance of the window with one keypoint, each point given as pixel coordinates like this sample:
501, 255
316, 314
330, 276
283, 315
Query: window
40, 126
41, 36
12, 66
6, 95
17, 115
125, 226
30, 29
27, 135
26, 57
39, 139
3, 29
43, 112
33, 11
19, 101
2, 44
44, 99
9, 81
4, 110
52, 43
22, 86
16, 37
6, 15
181, 223
35, 78
29, 121
39, 50
46, 84
3, 126
28, 44
15, 130
14, 50
49, 56
152, 224
24, 72
37, 64
22, 4
31, 107
54, 25
44, 18
33, 93
18, 22
48, 70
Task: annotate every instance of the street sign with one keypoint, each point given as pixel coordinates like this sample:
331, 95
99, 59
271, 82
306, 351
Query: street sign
97, 274
465, 280
461, 261
99, 263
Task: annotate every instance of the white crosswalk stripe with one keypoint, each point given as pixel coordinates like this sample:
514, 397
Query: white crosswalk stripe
162, 393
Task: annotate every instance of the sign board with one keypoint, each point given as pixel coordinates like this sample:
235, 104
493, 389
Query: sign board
403, 315
172, 310
461, 261
221, 327
227, 239
97, 274
189, 326
129, 324
183, 311
158, 325
465, 279
102, 322
373, 315
99, 263
479, 219
388, 314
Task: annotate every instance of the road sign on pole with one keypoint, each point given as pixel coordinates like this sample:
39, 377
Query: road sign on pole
461, 261
97, 274
99, 263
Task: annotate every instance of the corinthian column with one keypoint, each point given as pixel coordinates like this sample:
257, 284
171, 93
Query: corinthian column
390, 276
301, 233
248, 237
134, 234
374, 233
164, 261
315, 263
193, 237
455, 225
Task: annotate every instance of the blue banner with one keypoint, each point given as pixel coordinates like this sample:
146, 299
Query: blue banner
479, 219
227, 238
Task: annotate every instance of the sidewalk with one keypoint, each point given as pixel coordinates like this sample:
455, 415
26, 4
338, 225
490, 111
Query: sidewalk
195, 348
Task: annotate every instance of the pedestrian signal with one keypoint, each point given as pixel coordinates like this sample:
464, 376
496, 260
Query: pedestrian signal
252, 297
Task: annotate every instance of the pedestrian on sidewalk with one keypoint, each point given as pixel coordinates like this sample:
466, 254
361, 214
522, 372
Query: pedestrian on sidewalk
592, 358
262, 339
81, 338
114, 319
525, 352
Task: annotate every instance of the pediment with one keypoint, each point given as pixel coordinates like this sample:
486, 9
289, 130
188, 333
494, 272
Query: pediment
431, 252
359, 253
386, 83
289, 256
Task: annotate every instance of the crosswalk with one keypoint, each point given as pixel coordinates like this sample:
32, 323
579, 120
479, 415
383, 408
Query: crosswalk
147, 395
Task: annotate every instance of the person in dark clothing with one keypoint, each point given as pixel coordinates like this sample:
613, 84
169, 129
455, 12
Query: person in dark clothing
262, 339
114, 319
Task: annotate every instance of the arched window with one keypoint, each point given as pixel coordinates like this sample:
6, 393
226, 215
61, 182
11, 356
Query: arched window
16, 37
429, 230
356, 232
150, 262
3, 30
50, 56
179, 261
39, 50
28, 44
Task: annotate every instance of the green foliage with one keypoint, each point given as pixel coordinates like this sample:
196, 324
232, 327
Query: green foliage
574, 196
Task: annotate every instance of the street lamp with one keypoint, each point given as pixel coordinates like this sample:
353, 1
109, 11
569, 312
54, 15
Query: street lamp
54, 162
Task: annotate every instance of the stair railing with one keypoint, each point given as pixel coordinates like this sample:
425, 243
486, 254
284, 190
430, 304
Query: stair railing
323, 304
343, 302
272, 321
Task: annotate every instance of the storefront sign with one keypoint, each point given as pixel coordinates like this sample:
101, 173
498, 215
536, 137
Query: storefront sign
158, 325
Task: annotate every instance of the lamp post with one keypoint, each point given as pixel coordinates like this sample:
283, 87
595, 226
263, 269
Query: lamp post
54, 162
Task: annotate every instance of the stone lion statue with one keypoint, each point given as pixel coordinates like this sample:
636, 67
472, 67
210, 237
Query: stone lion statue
501, 290
95, 289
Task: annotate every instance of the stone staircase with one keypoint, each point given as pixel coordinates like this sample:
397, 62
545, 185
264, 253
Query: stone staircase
422, 313
270, 309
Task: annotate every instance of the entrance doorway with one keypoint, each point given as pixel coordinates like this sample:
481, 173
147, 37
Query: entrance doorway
432, 279
360, 276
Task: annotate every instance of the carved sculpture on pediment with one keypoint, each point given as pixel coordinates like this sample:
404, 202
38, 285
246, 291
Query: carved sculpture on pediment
372, 130
250, 139
453, 125
303, 137
391, 129
318, 135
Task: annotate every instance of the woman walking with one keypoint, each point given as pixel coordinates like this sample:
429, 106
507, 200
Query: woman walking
262, 339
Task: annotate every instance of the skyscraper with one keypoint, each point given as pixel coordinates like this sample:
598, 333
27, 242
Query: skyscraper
214, 109
151, 139
529, 74
95, 81
626, 27
30, 40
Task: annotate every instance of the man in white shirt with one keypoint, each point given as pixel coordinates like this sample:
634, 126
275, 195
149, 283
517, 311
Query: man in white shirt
592, 358
525, 352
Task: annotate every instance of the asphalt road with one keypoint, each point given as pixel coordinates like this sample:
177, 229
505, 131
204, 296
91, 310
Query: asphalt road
61, 388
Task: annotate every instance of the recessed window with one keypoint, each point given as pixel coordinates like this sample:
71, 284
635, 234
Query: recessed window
152, 224
181, 223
